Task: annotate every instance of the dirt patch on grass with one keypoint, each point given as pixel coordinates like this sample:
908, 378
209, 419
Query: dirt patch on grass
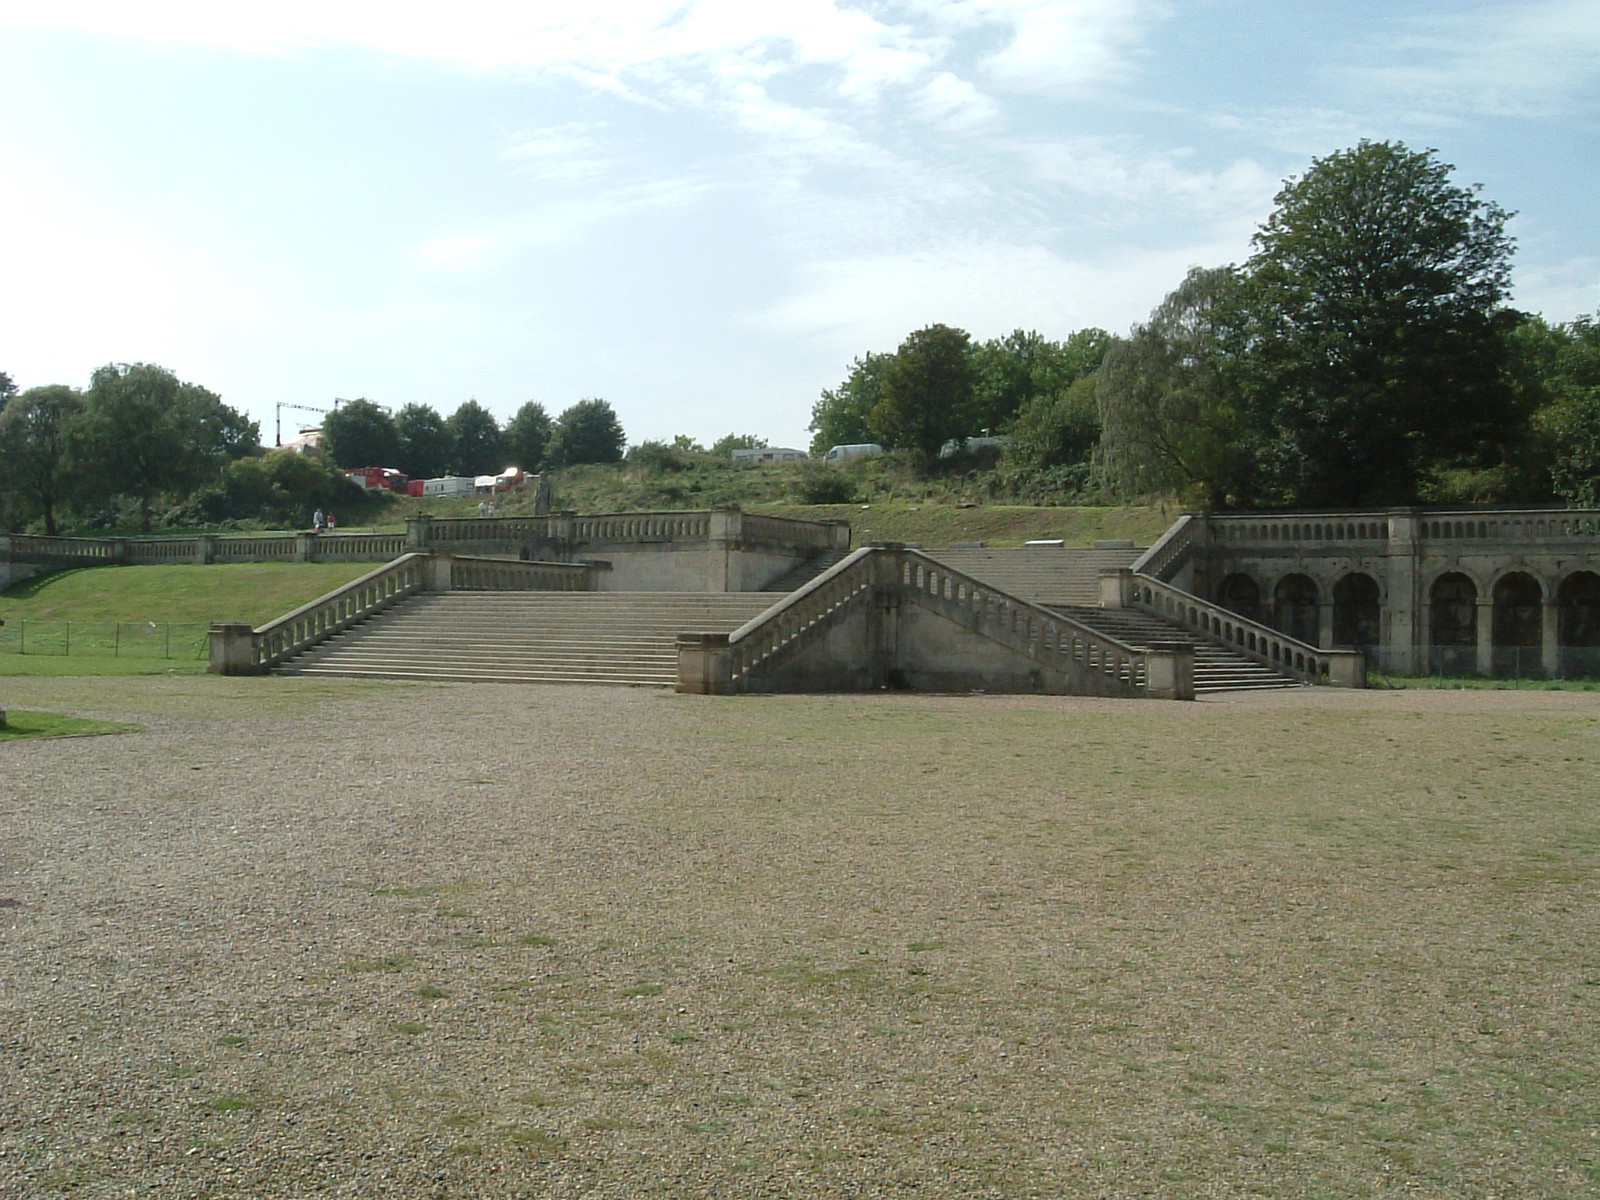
313, 939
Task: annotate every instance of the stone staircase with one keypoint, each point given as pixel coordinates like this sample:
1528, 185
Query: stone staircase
1216, 667
804, 573
1048, 575
529, 637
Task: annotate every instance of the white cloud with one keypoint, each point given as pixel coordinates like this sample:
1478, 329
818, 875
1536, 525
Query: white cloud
1068, 45
1522, 58
1134, 184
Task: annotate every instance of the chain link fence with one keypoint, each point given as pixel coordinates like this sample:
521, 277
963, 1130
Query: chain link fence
106, 639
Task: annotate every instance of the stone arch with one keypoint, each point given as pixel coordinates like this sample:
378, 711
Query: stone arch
1357, 611
1518, 624
1241, 594
1453, 624
1295, 607
1578, 623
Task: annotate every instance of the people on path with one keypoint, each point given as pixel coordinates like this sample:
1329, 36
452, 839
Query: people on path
483, 508
318, 521
332, 523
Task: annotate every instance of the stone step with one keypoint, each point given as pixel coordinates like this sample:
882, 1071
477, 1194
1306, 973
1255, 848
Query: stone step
1217, 667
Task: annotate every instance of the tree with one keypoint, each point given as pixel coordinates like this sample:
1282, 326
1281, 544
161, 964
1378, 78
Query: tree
588, 432
1169, 395
476, 439
8, 389
141, 434
1381, 342
426, 447
1019, 369
725, 445
1571, 418
526, 437
843, 417
360, 434
36, 428
927, 391
1058, 428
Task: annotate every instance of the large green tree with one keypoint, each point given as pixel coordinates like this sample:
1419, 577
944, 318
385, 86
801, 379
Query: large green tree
527, 435
144, 434
36, 429
1025, 367
1380, 340
1570, 419
360, 433
1169, 395
928, 391
843, 416
426, 446
475, 440
588, 432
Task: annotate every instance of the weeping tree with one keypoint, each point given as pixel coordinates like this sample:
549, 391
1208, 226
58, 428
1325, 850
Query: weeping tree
1170, 395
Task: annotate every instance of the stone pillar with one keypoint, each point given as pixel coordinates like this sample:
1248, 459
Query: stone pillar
839, 531
1550, 638
1485, 636
1405, 651
1169, 671
724, 541
232, 649
704, 664
1347, 668
419, 532
305, 547
205, 551
437, 572
1116, 588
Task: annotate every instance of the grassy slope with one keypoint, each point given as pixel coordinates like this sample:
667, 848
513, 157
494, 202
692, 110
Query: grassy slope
254, 592
997, 524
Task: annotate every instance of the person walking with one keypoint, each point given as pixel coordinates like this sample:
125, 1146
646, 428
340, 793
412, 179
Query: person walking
318, 521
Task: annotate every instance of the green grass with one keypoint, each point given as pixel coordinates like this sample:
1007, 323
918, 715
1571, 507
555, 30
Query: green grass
1382, 682
61, 665
21, 724
253, 592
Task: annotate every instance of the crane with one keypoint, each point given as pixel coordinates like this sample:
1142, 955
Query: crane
278, 431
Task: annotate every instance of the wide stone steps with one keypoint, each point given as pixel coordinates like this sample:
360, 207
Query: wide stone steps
807, 571
1049, 575
530, 637
1217, 668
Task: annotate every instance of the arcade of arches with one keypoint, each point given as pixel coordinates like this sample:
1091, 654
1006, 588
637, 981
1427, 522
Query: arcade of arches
1511, 625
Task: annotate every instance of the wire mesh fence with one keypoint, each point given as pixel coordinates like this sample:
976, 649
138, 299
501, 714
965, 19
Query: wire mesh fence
106, 639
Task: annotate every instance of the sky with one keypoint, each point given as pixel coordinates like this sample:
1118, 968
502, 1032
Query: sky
702, 211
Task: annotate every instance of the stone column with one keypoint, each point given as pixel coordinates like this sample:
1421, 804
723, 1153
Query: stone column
1116, 588
1169, 671
1404, 618
205, 551
437, 572
1550, 638
839, 531
1485, 636
305, 547
724, 541
1325, 623
705, 664
419, 532
1347, 668
232, 649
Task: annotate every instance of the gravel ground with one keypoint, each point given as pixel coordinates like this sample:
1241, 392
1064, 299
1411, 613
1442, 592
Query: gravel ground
306, 938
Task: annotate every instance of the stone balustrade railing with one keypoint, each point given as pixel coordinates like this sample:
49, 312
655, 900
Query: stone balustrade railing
1050, 638
443, 533
782, 531
58, 551
1053, 640
1172, 549
510, 575
803, 615
1262, 643
642, 527
1300, 530
261, 649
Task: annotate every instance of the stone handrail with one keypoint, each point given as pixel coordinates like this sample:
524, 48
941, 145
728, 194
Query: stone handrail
1050, 638
512, 575
1054, 640
444, 532
1262, 643
794, 621
31, 548
1171, 551
782, 531
1529, 525
1291, 529
271, 547
339, 609
642, 527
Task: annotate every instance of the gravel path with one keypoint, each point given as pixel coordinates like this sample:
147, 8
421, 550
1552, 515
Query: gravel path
314, 939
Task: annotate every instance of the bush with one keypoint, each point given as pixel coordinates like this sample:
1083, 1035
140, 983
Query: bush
819, 484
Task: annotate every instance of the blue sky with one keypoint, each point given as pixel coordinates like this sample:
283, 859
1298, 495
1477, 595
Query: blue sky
702, 210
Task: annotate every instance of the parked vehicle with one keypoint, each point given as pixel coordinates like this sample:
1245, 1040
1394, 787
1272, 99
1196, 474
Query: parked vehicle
855, 450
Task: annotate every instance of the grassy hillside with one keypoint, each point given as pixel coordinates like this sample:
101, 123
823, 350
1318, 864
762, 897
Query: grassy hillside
254, 592
996, 524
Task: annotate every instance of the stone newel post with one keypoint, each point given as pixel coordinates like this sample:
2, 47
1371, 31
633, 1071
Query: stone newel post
1169, 671
1116, 588
232, 649
705, 666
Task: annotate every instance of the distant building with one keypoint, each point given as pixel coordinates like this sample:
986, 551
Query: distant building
768, 454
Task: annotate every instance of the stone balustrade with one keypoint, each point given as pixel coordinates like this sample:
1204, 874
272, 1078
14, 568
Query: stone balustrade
1341, 668
799, 617
510, 575
1171, 552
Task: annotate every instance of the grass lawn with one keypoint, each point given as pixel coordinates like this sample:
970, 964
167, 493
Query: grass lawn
20, 725
513, 941
254, 592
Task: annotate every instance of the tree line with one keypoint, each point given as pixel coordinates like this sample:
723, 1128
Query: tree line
139, 445
1363, 355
